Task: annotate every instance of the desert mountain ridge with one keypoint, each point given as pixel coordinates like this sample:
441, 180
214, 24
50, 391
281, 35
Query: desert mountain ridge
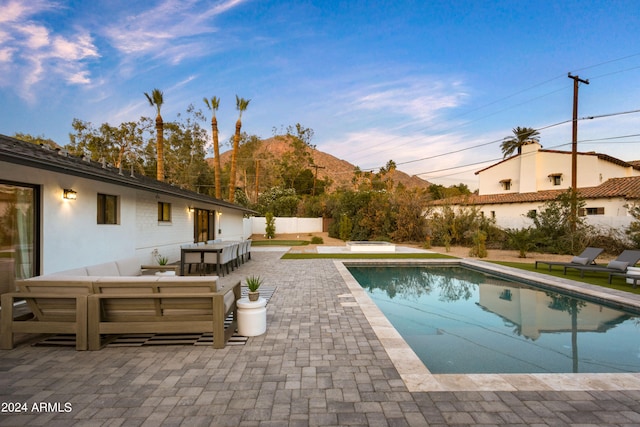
339, 171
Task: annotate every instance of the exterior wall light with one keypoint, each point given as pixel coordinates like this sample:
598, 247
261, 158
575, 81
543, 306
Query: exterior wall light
69, 194
191, 209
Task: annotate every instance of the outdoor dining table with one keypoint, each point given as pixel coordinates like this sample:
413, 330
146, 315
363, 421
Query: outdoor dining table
209, 247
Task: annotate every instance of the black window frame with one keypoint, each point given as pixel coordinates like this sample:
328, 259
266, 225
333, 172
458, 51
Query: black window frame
164, 212
107, 203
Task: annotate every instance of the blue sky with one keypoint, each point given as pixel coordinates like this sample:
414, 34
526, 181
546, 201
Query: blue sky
432, 85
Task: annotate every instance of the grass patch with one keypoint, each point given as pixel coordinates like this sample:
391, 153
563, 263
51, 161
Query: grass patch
365, 256
272, 242
597, 279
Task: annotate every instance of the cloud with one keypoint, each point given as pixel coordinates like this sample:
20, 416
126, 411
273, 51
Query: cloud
30, 53
420, 99
174, 29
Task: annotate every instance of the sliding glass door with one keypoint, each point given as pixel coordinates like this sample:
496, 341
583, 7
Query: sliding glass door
203, 225
19, 233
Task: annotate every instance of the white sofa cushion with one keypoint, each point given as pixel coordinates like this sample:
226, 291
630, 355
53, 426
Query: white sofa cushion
106, 269
129, 266
82, 271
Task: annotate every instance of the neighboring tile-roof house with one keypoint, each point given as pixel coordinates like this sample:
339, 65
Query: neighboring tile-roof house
42, 157
626, 188
635, 164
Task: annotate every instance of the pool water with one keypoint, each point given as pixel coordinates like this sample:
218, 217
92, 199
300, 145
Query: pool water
459, 320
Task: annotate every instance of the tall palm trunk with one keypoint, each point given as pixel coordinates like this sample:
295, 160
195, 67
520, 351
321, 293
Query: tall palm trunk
241, 105
216, 157
160, 147
234, 161
156, 99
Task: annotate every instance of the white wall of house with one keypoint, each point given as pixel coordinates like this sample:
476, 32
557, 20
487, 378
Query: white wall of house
529, 172
229, 225
70, 236
513, 215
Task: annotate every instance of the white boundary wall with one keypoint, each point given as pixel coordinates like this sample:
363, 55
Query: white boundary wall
286, 225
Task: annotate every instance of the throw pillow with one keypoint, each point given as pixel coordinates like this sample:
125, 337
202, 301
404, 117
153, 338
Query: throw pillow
618, 265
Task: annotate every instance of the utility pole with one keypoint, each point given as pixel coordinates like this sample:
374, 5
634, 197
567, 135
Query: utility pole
315, 176
257, 177
574, 151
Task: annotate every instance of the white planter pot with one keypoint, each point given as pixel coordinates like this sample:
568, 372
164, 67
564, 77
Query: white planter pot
252, 317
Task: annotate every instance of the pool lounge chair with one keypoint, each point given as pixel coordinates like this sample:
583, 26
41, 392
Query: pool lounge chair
627, 258
587, 257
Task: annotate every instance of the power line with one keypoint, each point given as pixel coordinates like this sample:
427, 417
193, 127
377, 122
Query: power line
508, 97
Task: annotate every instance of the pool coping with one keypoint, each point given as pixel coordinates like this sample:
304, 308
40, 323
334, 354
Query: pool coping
418, 378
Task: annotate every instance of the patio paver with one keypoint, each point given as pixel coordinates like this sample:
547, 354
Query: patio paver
320, 363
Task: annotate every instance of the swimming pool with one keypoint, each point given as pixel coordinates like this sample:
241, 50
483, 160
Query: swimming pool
459, 320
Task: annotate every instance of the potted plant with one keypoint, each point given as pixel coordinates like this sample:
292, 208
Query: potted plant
253, 283
162, 260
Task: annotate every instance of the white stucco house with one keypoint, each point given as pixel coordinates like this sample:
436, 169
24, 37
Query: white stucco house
511, 188
59, 212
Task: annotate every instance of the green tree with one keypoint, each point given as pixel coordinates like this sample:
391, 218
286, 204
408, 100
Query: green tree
634, 228
241, 106
121, 146
38, 140
554, 230
213, 106
156, 99
282, 202
438, 191
185, 151
521, 136
411, 223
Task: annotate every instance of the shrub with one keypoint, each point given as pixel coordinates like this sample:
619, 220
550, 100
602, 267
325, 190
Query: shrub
479, 248
345, 227
520, 240
270, 228
315, 240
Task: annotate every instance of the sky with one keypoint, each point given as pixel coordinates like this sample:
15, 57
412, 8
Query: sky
434, 86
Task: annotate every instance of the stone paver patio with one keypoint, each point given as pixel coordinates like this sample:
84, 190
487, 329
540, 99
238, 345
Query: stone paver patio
320, 363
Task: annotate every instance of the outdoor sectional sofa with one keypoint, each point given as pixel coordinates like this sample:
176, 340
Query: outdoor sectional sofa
115, 298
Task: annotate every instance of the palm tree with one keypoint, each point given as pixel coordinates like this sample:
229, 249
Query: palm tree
213, 106
156, 100
241, 106
521, 136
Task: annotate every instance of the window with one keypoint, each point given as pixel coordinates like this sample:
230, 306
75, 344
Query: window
594, 211
164, 212
107, 209
506, 184
555, 178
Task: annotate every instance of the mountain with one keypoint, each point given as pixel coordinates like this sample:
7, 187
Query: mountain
339, 171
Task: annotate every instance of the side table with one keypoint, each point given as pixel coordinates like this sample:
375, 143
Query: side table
252, 317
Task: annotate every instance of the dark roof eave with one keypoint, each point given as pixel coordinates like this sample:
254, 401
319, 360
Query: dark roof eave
115, 178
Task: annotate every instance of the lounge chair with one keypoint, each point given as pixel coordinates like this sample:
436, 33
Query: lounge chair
629, 278
627, 258
587, 257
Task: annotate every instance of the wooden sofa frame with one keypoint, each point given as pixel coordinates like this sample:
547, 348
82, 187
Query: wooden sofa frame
72, 318
57, 308
88, 308
168, 309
